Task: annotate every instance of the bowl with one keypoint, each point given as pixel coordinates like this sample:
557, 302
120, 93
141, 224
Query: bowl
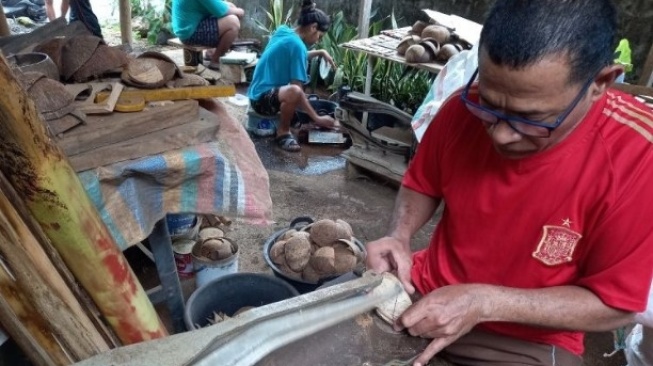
299, 284
35, 61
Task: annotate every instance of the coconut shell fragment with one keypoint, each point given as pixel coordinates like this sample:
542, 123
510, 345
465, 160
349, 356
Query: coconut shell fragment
324, 232
344, 259
298, 251
323, 260
309, 274
278, 252
439, 33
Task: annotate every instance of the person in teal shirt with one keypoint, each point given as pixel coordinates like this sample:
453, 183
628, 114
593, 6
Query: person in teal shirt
212, 23
281, 72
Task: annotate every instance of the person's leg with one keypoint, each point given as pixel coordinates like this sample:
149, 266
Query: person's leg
228, 28
479, 348
81, 10
49, 10
293, 97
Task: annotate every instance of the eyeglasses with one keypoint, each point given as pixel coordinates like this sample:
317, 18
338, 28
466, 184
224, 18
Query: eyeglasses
522, 125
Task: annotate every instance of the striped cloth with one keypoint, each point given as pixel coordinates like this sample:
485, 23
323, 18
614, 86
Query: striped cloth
224, 177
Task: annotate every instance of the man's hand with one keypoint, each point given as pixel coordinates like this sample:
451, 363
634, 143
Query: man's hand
445, 315
391, 255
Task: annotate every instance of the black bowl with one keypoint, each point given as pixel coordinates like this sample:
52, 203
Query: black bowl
298, 283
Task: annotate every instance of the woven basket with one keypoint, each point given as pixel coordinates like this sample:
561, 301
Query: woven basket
76, 52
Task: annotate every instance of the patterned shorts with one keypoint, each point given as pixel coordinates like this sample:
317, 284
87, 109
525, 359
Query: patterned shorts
268, 104
207, 34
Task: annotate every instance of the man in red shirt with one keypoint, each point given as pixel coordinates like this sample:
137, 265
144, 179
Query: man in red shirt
546, 176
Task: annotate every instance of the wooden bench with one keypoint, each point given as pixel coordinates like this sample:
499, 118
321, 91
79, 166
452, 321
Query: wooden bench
193, 55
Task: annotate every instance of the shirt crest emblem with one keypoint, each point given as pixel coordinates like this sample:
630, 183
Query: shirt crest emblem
557, 245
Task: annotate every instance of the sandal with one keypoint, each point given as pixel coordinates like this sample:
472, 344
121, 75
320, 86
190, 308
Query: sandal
287, 142
215, 66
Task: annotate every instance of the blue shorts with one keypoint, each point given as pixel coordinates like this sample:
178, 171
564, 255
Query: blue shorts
207, 34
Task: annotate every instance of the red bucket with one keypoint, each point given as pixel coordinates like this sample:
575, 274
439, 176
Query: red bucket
183, 258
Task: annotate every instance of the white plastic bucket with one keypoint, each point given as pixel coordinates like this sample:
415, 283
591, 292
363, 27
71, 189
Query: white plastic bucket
207, 270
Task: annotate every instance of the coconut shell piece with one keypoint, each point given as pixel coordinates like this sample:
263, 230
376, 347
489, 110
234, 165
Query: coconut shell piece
76, 52
210, 232
53, 48
446, 52
103, 60
418, 27
344, 229
163, 57
298, 252
187, 80
344, 259
50, 96
288, 234
437, 32
324, 232
290, 272
407, 42
309, 274
431, 46
323, 260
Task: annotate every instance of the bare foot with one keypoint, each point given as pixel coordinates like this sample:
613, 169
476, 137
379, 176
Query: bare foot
327, 122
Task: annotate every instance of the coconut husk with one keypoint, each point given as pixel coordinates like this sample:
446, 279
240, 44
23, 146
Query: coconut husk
162, 57
50, 97
76, 52
142, 72
104, 59
54, 49
28, 79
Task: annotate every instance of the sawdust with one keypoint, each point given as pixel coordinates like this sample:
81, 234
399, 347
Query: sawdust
364, 320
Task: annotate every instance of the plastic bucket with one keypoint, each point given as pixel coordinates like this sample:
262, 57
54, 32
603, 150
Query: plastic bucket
207, 270
180, 224
183, 259
228, 294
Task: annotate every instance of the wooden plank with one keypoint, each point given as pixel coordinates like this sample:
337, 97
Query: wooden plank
388, 166
110, 129
197, 132
27, 41
370, 47
634, 89
192, 92
89, 106
647, 71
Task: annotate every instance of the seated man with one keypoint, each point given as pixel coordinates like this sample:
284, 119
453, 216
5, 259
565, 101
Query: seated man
80, 10
545, 173
281, 72
211, 23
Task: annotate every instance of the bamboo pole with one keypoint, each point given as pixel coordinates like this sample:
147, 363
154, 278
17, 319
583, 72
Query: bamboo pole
39, 172
61, 280
63, 332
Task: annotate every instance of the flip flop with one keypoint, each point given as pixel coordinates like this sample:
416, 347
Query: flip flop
214, 66
287, 142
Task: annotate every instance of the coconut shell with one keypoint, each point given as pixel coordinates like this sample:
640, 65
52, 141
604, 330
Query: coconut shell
418, 27
288, 234
50, 96
446, 52
323, 260
298, 252
431, 46
309, 274
407, 42
324, 232
301, 234
210, 232
187, 80
53, 48
225, 251
437, 32
289, 272
345, 260
210, 248
76, 52
278, 252
417, 54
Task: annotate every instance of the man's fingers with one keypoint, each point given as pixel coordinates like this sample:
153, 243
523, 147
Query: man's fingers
432, 349
403, 273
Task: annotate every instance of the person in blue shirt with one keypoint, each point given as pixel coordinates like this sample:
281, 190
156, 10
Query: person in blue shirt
281, 72
212, 23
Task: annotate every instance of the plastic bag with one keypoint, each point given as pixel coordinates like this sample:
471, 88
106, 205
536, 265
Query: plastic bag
639, 344
453, 76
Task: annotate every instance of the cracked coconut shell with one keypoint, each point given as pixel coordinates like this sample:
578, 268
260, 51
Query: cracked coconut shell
344, 259
215, 249
278, 253
323, 260
310, 274
297, 252
437, 32
324, 232
344, 229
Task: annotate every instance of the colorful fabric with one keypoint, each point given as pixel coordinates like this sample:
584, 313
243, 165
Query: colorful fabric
284, 60
224, 177
572, 215
206, 33
187, 14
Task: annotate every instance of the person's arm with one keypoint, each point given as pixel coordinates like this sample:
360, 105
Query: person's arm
49, 10
392, 252
324, 54
449, 312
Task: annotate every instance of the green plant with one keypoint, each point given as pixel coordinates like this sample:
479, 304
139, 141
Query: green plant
157, 19
275, 17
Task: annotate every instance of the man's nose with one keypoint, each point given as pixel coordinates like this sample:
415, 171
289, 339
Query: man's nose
503, 134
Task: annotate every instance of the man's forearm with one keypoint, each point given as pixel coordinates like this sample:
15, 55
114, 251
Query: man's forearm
412, 210
566, 307
315, 53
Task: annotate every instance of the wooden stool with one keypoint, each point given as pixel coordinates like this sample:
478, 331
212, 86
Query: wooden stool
193, 55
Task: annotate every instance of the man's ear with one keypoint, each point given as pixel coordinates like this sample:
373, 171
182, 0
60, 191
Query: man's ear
605, 78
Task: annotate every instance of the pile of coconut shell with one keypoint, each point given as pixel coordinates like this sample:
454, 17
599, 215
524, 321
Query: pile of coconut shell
318, 251
430, 43
212, 245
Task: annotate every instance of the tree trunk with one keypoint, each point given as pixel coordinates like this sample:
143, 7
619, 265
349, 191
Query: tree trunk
40, 173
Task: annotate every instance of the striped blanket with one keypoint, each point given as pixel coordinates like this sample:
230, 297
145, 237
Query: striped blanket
223, 177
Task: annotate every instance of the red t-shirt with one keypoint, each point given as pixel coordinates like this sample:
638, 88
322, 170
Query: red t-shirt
577, 214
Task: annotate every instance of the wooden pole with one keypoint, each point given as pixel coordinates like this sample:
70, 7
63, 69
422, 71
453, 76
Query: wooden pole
647, 71
4, 26
40, 173
126, 22
364, 11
